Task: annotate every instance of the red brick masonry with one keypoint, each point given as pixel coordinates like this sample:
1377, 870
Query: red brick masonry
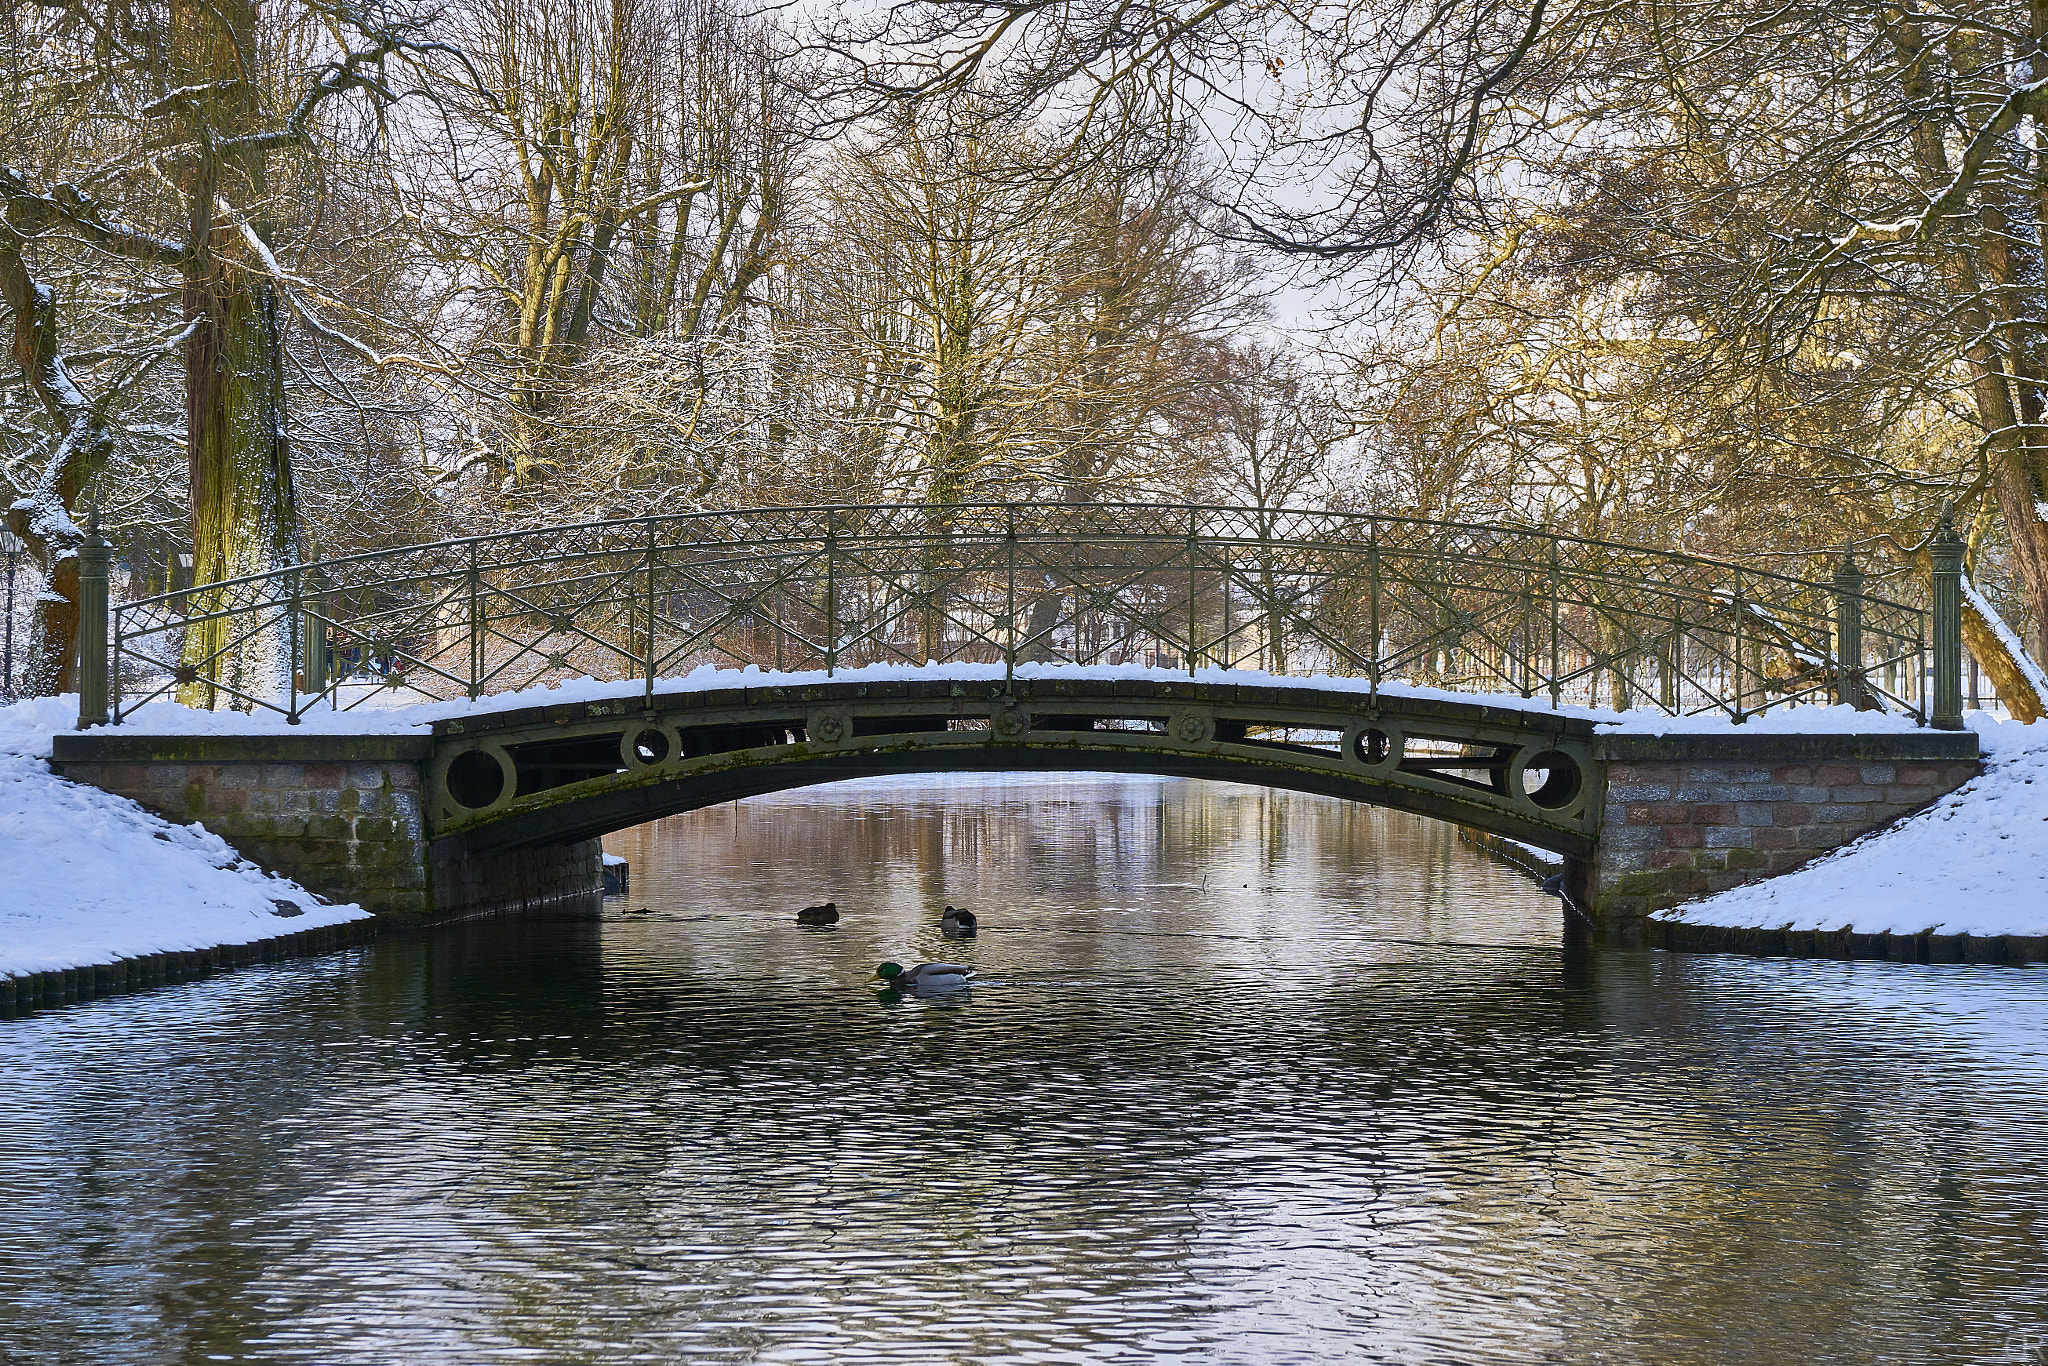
1686, 816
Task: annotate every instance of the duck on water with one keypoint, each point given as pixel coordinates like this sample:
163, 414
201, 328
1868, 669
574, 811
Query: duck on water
925, 976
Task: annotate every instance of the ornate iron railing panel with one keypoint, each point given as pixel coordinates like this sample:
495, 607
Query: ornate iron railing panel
1490, 609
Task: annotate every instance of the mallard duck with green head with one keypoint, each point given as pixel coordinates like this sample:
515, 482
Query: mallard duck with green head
925, 976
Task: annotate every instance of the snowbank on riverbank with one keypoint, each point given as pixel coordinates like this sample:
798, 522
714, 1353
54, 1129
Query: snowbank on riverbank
87, 878
1976, 862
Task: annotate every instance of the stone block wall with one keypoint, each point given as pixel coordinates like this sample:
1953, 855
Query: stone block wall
349, 828
1686, 816
349, 831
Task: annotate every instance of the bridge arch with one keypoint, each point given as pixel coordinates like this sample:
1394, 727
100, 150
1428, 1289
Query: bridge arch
567, 772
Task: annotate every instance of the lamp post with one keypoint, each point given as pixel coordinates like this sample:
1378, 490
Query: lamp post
12, 545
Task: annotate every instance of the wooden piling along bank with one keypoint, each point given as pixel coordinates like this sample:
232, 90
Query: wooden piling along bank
24, 992
1923, 947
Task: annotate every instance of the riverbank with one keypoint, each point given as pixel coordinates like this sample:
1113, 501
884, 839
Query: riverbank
100, 895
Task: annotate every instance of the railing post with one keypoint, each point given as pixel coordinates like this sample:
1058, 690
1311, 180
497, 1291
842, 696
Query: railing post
1372, 564
653, 558
1010, 601
114, 649
1946, 554
474, 583
1525, 667
313, 640
1225, 642
1737, 639
1674, 661
295, 649
93, 556
1849, 631
831, 598
1556, 624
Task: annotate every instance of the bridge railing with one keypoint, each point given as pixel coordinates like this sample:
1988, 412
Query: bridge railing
1494, 609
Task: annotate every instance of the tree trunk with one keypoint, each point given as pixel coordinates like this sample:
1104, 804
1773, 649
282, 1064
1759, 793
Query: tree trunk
44, 518
2012, 677
2020, 501
244, 516
2005, 256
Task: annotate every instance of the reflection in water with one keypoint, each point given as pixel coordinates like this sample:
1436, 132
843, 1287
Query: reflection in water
1244, 1077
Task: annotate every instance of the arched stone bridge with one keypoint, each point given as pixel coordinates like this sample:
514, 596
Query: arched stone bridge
502, 808
1036, 615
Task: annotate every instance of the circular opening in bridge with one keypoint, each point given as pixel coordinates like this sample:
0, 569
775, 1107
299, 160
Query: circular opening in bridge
650, 746
1551, 779
475, 779
1373, 746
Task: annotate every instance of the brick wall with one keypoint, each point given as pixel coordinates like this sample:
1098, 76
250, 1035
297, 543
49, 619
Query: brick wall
1688, 816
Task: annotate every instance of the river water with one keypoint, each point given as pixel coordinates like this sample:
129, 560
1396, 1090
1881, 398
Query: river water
1247, 1077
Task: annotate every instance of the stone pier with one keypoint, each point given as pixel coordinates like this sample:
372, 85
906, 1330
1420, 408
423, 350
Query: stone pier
1688, 815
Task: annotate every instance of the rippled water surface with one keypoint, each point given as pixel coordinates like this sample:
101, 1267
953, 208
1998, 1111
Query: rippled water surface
1249, 1077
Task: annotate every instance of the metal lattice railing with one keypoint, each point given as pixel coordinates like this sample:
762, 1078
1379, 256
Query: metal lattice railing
1474, 608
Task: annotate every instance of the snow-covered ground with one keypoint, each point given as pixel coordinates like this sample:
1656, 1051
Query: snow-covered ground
1976, 862
87, 877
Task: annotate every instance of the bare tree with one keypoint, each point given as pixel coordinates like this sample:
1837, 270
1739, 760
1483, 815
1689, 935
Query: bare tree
196, 123
617, 173
1389, 114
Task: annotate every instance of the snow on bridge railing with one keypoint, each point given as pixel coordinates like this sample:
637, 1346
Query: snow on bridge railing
1483, 608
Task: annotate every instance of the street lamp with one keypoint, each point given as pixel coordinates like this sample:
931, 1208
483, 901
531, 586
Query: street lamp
12, 546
